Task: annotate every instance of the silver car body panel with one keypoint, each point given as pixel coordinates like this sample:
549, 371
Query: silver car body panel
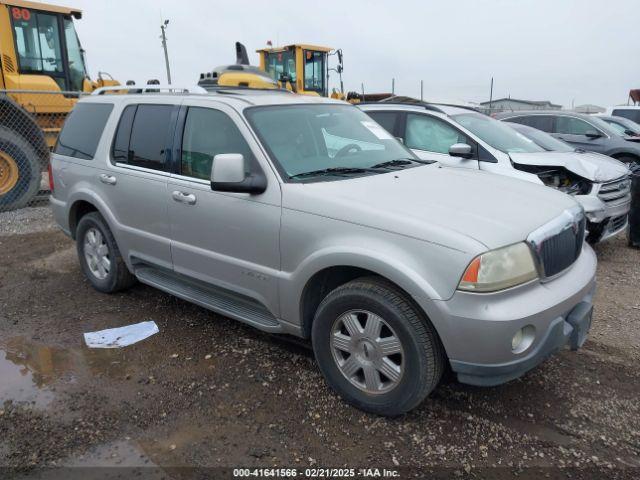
419, 228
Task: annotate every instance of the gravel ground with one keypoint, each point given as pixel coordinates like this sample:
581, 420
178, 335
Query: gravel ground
26, 220
210, 392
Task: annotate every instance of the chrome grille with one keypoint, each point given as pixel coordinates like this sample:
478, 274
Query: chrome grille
612, 192
558, 244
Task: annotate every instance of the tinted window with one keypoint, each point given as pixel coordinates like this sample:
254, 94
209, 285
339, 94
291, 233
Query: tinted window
207, 133
82, 130
631, 114
120, 150
541, 122
149, 136
388, 120
431, 134
572, 126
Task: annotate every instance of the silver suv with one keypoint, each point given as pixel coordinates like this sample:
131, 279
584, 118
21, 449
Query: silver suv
301, 215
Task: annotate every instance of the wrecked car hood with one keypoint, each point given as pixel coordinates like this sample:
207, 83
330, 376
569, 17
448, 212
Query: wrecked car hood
592, 166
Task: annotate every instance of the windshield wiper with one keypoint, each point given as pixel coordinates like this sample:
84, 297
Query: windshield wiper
401, 162
334, 171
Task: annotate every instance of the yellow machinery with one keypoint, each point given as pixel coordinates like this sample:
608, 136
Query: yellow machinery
42, 74
301, 68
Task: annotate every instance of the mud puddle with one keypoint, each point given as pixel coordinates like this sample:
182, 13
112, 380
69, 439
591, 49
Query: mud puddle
32, 371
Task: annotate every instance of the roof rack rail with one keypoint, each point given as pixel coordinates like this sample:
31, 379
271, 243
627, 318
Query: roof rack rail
425, 105
148, 89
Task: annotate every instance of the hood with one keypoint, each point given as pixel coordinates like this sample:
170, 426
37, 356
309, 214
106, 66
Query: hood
592, 166
454, 207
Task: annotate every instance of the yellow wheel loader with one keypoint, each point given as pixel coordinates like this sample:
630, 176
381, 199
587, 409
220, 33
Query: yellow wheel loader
42, 74
301, 68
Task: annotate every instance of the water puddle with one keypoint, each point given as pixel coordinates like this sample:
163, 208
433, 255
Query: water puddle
30, 371
27, 370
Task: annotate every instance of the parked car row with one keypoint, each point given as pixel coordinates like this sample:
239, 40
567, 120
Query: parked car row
463, 138
305, 215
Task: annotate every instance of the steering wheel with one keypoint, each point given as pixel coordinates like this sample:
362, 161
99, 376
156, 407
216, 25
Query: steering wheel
351, 148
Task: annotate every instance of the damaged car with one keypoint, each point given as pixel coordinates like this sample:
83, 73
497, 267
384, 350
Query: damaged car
464, 138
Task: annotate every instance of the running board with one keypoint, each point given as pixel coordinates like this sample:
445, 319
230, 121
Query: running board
213, 298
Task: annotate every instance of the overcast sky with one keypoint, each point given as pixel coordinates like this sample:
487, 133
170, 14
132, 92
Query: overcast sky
581, 51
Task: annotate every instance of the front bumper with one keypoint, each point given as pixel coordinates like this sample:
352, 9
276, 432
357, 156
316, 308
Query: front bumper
606, 219
477, 329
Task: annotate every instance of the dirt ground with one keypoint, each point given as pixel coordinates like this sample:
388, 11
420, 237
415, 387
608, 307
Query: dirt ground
209, 392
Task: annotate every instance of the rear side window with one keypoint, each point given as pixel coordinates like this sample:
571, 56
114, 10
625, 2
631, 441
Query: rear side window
631, 114
82, 130
541, 122
142, 135
388, 120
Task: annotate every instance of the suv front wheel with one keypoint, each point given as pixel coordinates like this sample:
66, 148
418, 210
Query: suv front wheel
99, 255
375, 348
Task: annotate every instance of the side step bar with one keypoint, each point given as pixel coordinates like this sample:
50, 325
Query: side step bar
213, 298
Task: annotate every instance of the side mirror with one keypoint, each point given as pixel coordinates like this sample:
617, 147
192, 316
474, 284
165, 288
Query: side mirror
461, 150
592, 134
228, 175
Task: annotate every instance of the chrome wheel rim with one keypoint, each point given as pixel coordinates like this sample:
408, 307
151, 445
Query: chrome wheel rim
367, 351
96, 253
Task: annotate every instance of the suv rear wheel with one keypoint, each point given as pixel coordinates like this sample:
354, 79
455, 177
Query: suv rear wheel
99, 255
375, 348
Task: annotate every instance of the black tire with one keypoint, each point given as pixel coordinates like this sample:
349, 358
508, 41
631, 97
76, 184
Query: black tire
118, 277
423, 358
29, 170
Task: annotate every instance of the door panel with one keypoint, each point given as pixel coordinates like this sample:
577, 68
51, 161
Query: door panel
136, 186
227, 239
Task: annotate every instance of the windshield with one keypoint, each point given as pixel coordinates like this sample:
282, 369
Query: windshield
496, 133
543, 139
623, 124
309, 138
604, 126
619, 128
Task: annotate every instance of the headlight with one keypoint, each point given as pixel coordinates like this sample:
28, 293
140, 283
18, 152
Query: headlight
499, 269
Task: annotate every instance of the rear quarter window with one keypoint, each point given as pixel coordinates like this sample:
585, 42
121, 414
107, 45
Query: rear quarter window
82, 130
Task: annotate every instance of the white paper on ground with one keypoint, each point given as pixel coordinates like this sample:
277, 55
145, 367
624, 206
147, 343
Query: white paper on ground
122, 336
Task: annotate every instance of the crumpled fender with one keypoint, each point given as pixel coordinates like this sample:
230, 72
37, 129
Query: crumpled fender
592, 166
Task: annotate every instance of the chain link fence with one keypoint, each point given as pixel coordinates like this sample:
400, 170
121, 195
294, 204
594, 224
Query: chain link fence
30, 122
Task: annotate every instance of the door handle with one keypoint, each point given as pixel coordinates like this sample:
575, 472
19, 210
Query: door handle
186, 198
108, 179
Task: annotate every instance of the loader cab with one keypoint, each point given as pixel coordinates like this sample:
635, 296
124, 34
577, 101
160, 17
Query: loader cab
47, 52
303, 68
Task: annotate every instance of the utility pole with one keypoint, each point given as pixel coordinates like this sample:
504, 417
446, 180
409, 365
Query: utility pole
491, 97
163, 27
422, 90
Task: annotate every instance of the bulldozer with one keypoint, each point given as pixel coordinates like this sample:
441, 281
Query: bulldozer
42, 74
300, 68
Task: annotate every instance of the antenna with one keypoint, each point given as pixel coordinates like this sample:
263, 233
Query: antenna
163, 36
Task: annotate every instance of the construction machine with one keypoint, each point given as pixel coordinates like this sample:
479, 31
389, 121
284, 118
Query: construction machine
300, 68
42, 74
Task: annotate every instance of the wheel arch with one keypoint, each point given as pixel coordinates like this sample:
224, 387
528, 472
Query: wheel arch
79, 209
625, 154
334, 270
